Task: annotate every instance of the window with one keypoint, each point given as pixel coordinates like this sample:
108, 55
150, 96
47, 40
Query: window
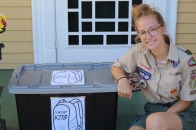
69, 27
98, 23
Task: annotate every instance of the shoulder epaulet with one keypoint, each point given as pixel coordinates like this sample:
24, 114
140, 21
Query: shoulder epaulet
187, 51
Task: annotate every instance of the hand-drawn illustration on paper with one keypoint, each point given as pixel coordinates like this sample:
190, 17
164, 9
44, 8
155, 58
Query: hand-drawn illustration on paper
68, 113
67, 77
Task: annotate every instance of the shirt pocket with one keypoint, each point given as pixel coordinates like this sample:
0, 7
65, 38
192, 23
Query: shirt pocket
173, 85
173, 80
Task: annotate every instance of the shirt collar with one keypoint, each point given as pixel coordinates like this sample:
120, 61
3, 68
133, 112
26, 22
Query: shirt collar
172, 55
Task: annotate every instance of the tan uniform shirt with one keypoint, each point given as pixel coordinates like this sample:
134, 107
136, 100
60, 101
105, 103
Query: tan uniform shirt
168, 81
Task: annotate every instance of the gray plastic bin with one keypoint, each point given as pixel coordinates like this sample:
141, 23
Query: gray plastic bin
32, 87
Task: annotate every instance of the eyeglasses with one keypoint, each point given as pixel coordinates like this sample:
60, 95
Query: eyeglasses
152, 31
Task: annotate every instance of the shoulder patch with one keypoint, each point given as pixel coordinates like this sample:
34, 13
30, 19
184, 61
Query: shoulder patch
191, 62
187, 51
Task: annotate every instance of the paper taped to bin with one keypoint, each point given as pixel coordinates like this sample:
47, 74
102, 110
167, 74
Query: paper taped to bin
68, 113
68, 77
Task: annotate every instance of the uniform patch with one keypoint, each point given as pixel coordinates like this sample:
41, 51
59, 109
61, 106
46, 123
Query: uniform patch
193, 92
173, 91
191, 62
192, 83
178, 73
174, 64
134, 80
145, 66
143, 84
193, 74
175, 74
144, 74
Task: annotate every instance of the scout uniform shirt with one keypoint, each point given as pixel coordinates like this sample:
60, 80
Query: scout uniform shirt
167, 81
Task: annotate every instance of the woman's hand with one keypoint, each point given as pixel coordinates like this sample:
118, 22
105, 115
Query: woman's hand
124, 89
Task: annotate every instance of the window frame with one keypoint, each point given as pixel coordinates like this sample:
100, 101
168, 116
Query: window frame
44, 26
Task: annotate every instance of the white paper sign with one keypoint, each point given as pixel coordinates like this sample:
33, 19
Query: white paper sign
68, 77
68, 113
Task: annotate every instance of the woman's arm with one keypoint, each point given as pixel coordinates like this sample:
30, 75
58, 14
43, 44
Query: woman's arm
179, 106
124, 89
117, 72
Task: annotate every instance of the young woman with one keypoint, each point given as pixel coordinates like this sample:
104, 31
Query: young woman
167, 75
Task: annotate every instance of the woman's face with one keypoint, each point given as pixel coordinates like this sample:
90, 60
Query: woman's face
150, 32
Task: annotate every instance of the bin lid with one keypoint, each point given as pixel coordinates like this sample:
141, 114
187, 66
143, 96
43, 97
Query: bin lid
36, 79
